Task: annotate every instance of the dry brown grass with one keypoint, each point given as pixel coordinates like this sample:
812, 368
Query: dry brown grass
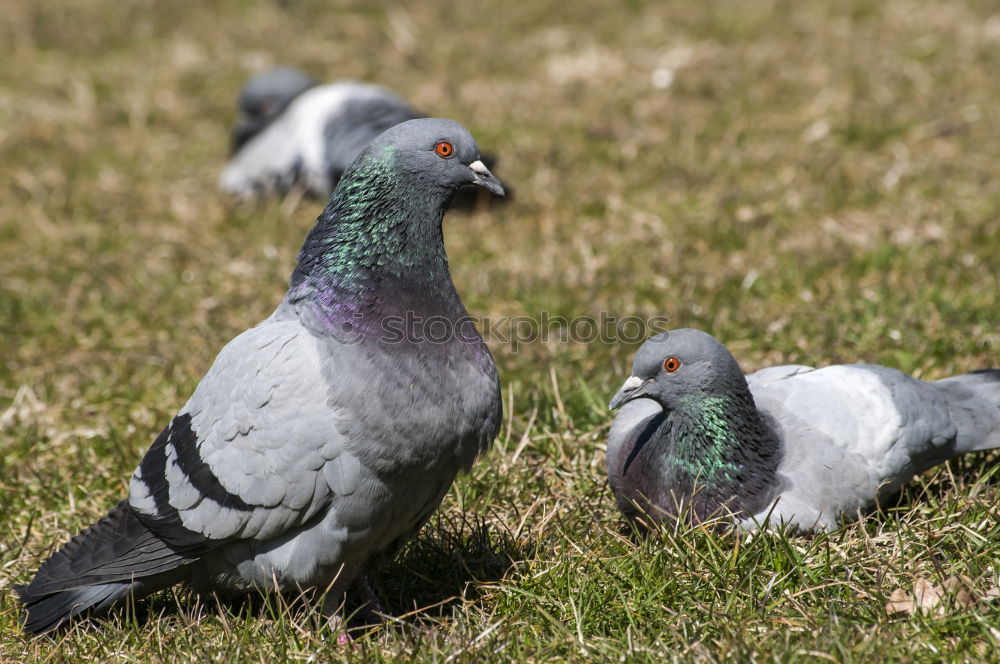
817, 184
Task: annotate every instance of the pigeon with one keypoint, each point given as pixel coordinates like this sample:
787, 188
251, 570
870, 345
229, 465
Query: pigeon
322, 439
808, 448
295, 133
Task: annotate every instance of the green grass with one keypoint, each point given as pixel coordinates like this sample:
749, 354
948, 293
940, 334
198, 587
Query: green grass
818, 185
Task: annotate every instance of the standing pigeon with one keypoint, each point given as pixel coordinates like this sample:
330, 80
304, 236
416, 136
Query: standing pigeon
806, 447
323, 438
293, 132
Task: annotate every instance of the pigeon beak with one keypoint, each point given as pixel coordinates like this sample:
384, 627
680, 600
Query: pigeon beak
630, 390
481, 177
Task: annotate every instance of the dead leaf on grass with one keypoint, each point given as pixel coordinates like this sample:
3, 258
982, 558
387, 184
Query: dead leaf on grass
955, 592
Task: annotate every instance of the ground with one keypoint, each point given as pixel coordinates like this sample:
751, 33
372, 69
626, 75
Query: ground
811, 182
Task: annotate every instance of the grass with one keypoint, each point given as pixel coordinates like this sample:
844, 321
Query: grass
816, 185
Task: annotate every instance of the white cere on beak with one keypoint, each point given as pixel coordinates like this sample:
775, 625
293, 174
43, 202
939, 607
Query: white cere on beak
479, 167
632, 383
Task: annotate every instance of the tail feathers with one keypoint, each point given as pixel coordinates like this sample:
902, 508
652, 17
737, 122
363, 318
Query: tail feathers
975, 409
51, 611
117, 557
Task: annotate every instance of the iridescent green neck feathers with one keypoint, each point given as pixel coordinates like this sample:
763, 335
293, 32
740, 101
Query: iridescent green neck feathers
380, 224
718, 452
705, 446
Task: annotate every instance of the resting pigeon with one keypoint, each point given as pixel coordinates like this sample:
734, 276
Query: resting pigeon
293, 132
807, 447
323, 438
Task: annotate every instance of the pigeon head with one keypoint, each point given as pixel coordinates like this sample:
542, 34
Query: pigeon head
709, 447
675, 366
432, 156
265, 97
384, 218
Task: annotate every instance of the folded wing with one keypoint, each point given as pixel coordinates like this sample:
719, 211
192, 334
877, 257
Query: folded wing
254, 453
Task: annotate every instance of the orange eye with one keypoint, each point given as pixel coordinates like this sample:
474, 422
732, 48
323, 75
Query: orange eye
444, 149
671, 364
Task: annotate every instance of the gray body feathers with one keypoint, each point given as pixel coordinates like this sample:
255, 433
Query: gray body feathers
806, 447
855, 434
266, 476
307, 456
311, 142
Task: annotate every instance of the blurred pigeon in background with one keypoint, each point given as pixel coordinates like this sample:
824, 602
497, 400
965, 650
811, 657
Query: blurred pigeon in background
807, 447
294, 132
317, 444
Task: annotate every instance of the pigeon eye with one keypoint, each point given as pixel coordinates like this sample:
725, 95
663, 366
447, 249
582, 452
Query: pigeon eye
444, 149
671, 364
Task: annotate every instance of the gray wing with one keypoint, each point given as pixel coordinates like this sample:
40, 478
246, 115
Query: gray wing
273, 161
314, 140
635, 423
771, 374
254, 453
974, 405
369, 112
629, 423
851, 434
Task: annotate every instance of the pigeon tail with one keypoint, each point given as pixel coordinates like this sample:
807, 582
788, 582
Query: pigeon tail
116, 558
975, 409
51, 611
